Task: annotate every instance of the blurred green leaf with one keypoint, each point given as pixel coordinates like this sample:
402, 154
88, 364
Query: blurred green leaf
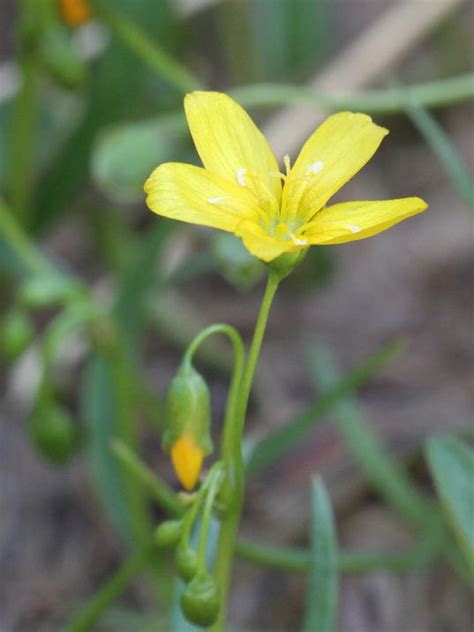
379, 467
126, 154
321, 596
439, 142
117, 88
99, 411
452, 465
281, 441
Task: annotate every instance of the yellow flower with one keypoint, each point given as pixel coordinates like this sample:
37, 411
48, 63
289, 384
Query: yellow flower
75, 12
241, 189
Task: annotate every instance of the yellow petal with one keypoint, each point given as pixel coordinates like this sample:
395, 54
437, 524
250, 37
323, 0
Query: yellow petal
335, 152
194, 195
228, 141
356, 220
262, 245
187, 459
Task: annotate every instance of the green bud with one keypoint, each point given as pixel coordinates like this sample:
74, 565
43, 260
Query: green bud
235, 263
200, 601
53, 432
47, 290
186, 560
168, 533
17, 334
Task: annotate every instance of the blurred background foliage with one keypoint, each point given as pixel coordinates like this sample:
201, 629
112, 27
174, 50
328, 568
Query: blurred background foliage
99, 297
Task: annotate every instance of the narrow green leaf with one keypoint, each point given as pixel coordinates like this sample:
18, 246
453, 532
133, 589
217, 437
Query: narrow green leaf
99, 413
379, 467
321, 597
452, 465
282, 440
440, 143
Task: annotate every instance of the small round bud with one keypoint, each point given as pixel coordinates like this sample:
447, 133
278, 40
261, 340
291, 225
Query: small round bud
186, 560
200, 601
17, 333
168, 533
53, 432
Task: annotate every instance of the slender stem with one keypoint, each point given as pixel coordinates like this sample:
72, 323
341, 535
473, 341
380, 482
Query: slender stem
230, 451
388, 100
163, 494
232, 448
145, 48
26, 252
213, 488
23, 122
110, 591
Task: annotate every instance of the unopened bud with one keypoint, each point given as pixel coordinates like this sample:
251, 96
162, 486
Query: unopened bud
200, 601
187, 436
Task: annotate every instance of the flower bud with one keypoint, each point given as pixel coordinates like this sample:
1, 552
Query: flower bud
200, 601
53, 433
187, 436
17, 333
168, 533
186, 560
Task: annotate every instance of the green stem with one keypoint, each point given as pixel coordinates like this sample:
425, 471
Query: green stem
88, 616
23, 123
232, 452
215, 480
146, 49
389, 100
16, 238
289, 559
163, 494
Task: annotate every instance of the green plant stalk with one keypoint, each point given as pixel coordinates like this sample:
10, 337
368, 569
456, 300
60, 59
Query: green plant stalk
232, 451
389, 100
146, 49
23, 125
163, 494
16, 238
86, 618
439, 142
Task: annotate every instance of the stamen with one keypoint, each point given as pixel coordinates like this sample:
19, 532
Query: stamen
298, 242
241, 176
286, 160
314, 168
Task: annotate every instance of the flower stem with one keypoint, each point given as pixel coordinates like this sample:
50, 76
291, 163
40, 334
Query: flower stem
232, 455
146, 49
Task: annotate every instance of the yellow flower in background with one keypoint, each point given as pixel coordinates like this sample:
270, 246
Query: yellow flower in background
75, 12
241, 189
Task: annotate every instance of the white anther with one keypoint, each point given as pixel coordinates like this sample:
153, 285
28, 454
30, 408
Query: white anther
287, 163
216, 200
354, 228
314, 168
241, 176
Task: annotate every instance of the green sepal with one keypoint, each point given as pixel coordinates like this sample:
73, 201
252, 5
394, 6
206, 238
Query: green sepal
284, 265
188, 409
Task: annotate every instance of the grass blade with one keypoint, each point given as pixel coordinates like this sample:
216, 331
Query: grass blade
439, 142
452, 465
321, 598
282, 440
